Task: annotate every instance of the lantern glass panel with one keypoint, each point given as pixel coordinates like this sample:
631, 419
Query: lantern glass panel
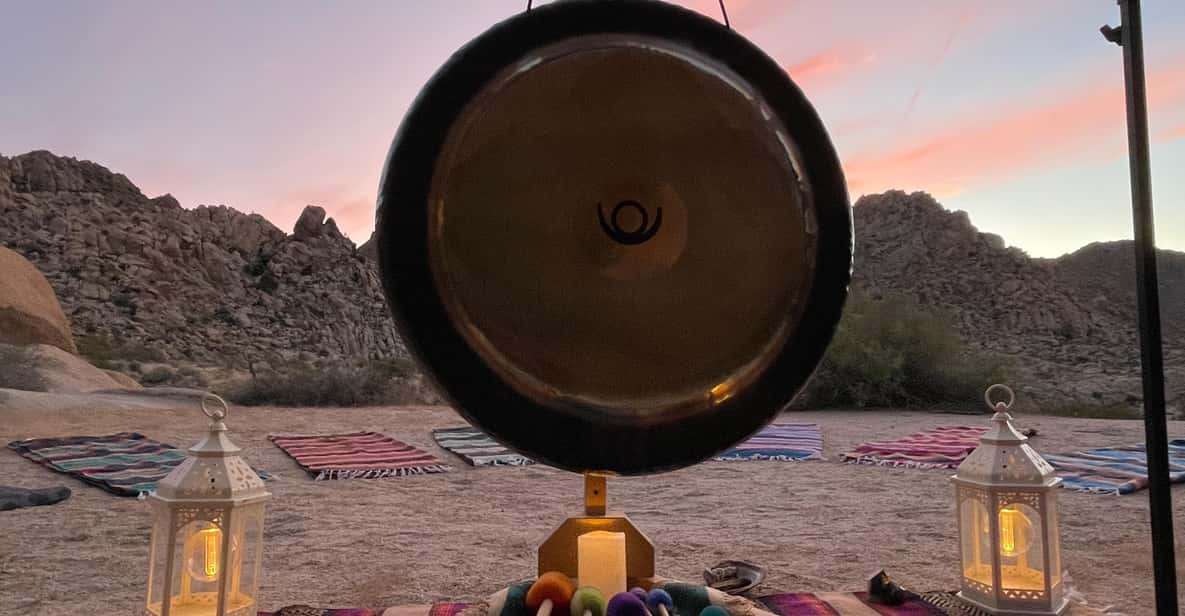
976, 538
248, 559
1022, 549
158, 561
204, 556
1055, 548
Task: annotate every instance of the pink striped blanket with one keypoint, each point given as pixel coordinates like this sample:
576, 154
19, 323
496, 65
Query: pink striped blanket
362, 455
942, 447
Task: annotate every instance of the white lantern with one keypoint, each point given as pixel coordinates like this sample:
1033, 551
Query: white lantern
207, 537
1008, 527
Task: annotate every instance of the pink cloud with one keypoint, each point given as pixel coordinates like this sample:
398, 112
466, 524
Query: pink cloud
1172, 134
827, 66
1003, 142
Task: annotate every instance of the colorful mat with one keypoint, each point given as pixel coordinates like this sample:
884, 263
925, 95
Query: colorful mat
356, 455
942, 447
477, 448
780, 441
437, 609
125, 464
1114, 470
841, 604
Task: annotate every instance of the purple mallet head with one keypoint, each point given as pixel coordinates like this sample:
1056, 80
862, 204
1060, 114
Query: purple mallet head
626, 604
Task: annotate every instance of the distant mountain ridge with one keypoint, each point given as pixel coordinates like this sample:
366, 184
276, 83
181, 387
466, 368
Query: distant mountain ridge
214, 285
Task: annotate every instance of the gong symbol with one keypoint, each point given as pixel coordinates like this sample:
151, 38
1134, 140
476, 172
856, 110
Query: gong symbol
612, 227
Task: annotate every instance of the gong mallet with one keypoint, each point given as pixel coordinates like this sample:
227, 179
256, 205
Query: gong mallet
588, 601
551, 592
660, 602
626, 604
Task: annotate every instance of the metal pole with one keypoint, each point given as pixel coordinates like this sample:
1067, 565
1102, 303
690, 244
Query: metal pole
1130, 36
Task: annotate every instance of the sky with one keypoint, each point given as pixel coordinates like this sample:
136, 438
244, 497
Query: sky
1012, 110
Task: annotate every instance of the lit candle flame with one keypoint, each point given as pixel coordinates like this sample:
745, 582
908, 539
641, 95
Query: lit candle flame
1010, 518
212, 540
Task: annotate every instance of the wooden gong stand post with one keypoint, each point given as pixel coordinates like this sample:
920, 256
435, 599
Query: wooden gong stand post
558, 552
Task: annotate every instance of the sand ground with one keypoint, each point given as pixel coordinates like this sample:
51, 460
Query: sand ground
815, 526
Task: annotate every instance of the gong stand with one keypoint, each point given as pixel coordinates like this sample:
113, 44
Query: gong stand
558, 552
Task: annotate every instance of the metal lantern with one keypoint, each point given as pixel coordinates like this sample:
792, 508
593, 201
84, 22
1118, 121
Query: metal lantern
207, 537
1008, 529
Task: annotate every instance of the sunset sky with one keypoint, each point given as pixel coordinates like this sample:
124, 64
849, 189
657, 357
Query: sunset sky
1011, 110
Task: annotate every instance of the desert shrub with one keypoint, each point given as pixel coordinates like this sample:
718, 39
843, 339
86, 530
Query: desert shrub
105, 348
375, 382
159, 375
895, 352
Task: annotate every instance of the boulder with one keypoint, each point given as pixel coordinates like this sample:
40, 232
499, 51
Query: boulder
29, 310
45, 368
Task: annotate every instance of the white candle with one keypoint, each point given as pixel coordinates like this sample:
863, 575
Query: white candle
600, 561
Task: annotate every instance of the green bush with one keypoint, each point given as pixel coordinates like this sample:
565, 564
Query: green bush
895, 352
100, 348
365, 384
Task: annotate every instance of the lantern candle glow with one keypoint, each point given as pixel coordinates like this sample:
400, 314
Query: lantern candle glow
207, 539
1008, 528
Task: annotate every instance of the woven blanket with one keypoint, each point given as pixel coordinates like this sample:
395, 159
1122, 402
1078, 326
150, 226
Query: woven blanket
1114, 470
842, 604
125, 464
780, 441
477, 448
942, 447
357, 455
437, 609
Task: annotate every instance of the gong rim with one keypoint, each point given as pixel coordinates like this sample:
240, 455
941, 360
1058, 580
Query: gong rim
557, 432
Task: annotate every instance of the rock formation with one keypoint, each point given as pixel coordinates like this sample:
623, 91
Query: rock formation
209, 285
1070, 322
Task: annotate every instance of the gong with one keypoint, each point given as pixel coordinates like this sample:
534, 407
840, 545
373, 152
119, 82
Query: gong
616, 234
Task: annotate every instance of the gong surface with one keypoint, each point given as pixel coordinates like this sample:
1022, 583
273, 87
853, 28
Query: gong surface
616, 234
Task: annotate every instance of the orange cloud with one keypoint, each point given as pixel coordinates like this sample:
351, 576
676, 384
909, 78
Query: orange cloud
1001, 143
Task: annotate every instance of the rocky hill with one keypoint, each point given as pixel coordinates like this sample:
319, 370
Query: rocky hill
209, 285
212, 285
1070, 322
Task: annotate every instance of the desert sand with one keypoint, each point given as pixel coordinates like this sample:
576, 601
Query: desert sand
815, 526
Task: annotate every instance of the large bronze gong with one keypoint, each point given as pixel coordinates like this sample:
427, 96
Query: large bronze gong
616, 234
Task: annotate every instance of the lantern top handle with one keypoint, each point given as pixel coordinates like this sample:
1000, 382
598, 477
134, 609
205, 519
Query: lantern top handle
215, 414
1000, 406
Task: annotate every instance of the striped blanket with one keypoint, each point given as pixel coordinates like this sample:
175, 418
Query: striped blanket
477, 448
780, 441
1114, 470
356, 455
124, 464
942, 447
843, 603
436, 609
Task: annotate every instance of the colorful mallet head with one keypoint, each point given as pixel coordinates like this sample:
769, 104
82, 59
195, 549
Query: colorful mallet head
588, 601
551, 592
626, 604
660, 603
640, 592
713, 610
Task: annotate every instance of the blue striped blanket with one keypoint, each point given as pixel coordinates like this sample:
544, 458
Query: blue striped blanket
780, 441
1114, 470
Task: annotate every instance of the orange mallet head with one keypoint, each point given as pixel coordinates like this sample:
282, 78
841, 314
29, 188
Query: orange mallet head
550, 593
